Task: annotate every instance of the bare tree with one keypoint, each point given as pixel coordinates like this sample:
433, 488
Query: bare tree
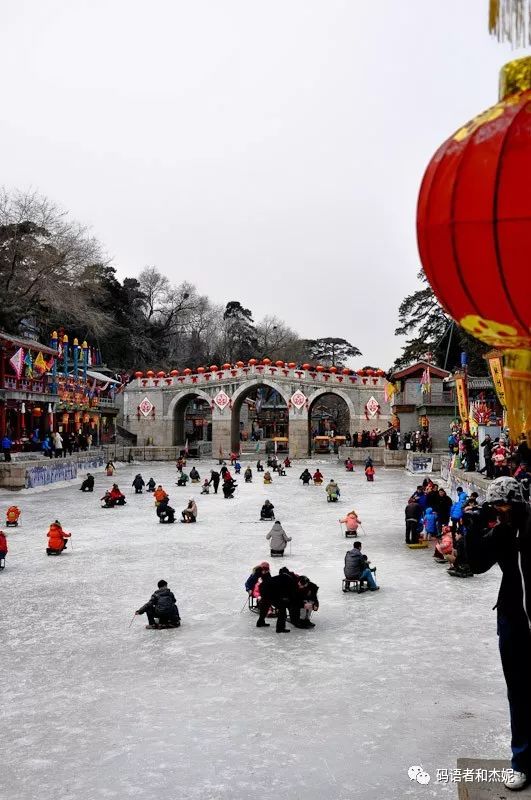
46, 265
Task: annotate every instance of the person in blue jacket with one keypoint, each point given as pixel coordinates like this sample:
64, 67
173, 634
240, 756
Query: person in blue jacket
429, 521
456, 511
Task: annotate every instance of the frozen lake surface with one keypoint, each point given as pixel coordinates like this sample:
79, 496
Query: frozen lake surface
218, 709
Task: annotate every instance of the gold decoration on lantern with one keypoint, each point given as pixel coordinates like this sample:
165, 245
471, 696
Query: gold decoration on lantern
515, 77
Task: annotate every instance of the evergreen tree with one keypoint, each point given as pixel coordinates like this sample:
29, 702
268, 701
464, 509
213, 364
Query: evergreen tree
435, 335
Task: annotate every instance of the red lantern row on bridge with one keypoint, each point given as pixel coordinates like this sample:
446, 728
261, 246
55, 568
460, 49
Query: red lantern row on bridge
265, 362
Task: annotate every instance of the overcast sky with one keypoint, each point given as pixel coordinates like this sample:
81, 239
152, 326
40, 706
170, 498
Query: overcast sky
269, 151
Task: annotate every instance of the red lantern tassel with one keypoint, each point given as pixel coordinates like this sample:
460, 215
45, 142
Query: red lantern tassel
517, 373
509, 21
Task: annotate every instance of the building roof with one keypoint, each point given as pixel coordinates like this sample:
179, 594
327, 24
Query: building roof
480, 382
99, 376
27, 344
419, 367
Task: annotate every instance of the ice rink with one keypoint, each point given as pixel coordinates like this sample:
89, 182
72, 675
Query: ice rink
218, 709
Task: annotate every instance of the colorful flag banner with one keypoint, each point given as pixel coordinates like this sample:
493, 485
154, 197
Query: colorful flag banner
462, 397
40, 364
496, 370
28, 363
17, 362
425, 381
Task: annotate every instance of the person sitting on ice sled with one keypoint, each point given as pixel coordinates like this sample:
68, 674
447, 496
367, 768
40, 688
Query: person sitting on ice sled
161, 606
12, 516
305, 477
279, 539
205, 488
194, 475
248, 475
165, 512
357, 567
229, 487
110, 469
349, 465
267, 512
332, 491
259, 466
112, 498
150, 486
88, 484
369, 473
190, 512
138, 483
57, 539
267, 478
183, 479
352, 521
318, 477
259, 574
287, 462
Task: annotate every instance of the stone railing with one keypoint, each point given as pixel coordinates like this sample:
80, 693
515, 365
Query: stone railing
258, 371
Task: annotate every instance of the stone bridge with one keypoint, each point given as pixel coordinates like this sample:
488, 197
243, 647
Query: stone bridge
155, 405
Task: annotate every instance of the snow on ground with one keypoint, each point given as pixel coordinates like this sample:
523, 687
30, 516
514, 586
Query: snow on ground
220, 710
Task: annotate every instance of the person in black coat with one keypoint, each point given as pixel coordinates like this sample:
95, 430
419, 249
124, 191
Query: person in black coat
281, 592
443, 510
162, 605
88, 484
501, 533
214, 480
413, 515
357, 567
267, 511
150, 486
229, 487
138, 483
305, 601
165, 512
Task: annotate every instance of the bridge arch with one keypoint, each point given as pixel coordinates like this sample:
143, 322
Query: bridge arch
177, 411
333, 392
239, 396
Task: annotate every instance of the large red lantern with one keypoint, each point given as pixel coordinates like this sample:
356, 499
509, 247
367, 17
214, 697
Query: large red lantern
474, 232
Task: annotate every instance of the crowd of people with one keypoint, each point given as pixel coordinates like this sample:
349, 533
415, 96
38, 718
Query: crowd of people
500, 457
470, 537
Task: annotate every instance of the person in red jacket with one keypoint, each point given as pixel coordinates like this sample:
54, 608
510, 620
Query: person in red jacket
3, 549
114, 497
57, 539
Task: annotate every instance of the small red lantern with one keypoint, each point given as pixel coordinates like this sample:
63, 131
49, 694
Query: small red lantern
200, 370
279, 364
360, 372
252, 362
306, 366
139, 374
345, 371
292, 364
174, 373
161, 374
150, 373
333, 370
37, 412
187, 371
319, 368
474, 232
240, 364
369, 372
266, 362
214, 368
380, 373
226, 366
